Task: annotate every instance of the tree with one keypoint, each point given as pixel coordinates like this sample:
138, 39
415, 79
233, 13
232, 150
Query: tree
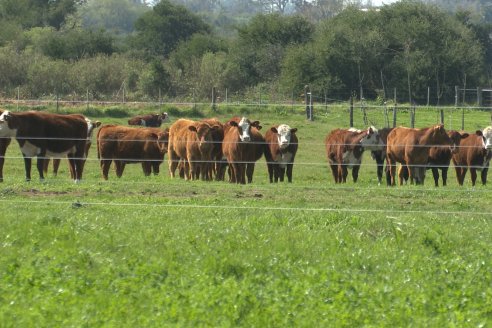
161, 29
38, 13
117, 16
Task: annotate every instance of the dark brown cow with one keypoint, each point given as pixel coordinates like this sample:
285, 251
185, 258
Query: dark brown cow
344, 149
4, 143
91, 126
280, 152
129, 145
475, 153
148, 120
411, 147
218, 167
44, 135
379, 155
191, 145
243, 145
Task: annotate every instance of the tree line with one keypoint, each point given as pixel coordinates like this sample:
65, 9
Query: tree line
68, 47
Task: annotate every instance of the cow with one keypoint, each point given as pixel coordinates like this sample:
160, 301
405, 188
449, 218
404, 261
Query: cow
149, 120
91, 126
474, 153
41, 134
379, 155
344, 149
411, 147
191, 145
280, 151
243, 145
4, 143
130, 145
217, 169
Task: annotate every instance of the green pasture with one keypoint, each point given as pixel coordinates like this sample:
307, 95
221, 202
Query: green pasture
156, 252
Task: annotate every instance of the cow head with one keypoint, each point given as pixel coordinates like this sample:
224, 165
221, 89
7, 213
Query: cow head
8, 124
456, 137
164, 117
163, 141
203, 132
487, 137
284, 133
371, 139
439, 136
244, 128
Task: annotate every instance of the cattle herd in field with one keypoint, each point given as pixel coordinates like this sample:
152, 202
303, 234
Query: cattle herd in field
208, 149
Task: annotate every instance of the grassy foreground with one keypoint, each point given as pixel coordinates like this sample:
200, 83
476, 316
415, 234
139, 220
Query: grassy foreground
159, 252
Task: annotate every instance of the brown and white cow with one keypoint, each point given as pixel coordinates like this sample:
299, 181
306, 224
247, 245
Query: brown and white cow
475, 153
280, 152
411, 147
344, 149
149, 120
191, 144
129, 145
91, 126
4, 143
42, 135
243, 145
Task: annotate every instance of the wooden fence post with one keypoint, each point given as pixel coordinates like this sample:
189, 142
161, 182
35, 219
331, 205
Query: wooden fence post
351, 112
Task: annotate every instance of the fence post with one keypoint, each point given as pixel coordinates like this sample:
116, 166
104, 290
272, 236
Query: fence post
87, 99
351, 112
428, 96
394, 115
412, 117
442, 116
479, 97
214, 99
18, 97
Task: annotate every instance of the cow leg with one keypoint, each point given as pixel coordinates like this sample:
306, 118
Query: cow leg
444, 174
27, 166
2, 161
281, 173
484, 175
56, 166
173, 162
473, 173
355, 172
290, 167
270, 172
120, 167
242, 173
155, 167
46, 165
250, 169
105, 165
146, 168
463, 175
40, 166
344, 173
435, 174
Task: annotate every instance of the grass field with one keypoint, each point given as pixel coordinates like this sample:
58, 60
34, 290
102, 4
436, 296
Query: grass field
152, 251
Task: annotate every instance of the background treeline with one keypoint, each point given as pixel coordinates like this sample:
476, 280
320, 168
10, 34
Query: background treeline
182, 49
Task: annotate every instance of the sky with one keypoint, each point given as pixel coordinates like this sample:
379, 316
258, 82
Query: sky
381, 2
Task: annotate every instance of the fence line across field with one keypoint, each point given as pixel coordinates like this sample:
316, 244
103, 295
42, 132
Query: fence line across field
242, 142
224, 161
237, 208
173, 183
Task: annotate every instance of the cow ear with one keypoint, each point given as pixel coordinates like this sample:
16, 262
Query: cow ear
233, 123
479, 133
258, 127
256, 124
464, 135
97, 124
274, 129
293, 130
192, 128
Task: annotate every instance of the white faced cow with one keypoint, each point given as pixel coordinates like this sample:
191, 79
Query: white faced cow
42, 135
280, 152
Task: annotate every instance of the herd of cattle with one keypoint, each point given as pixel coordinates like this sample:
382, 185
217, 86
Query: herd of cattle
207, 149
